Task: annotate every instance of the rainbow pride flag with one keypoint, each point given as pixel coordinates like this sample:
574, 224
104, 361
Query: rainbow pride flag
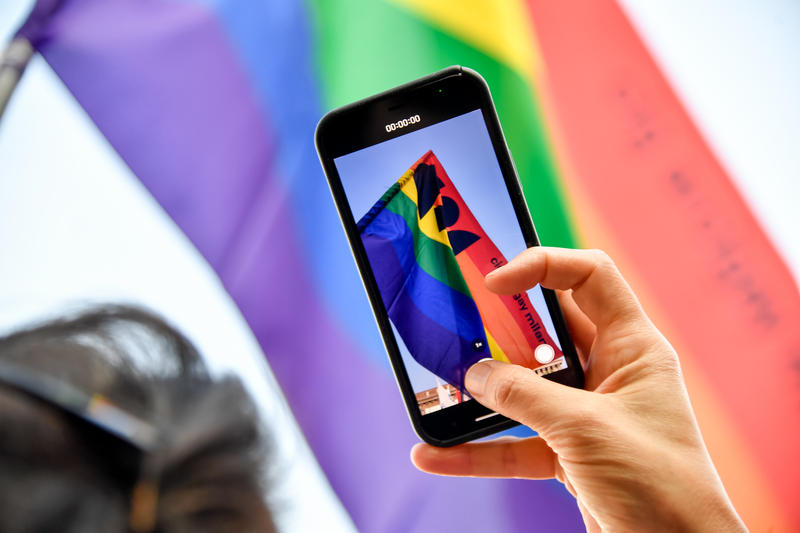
419, 278
213, 103
513, 327
430, 256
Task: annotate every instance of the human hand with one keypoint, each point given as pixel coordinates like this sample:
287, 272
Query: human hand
628, 447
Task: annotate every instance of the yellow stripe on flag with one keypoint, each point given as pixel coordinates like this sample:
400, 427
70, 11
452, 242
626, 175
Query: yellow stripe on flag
498, 28
427, 224
494, 349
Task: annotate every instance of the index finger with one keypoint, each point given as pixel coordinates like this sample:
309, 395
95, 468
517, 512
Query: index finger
597, 286
529, 458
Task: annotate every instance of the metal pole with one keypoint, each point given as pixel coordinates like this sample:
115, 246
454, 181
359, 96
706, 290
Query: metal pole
12, 64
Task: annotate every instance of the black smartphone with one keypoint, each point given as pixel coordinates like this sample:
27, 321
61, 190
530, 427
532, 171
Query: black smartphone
431, 203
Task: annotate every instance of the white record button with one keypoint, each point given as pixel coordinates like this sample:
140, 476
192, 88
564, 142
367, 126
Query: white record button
544, 353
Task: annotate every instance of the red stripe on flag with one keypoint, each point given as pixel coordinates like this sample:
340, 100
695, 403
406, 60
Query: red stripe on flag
684, 227
518, 343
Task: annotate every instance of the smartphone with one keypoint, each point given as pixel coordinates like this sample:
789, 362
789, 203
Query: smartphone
430, 201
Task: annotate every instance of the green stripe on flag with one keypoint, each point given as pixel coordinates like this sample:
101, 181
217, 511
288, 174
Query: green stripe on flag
432, 256
367, 46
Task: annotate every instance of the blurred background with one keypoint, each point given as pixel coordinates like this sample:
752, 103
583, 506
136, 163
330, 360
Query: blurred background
160, 152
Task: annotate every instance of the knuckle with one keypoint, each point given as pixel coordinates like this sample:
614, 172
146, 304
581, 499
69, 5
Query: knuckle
509, 458
587, 416
583, 427
506, 390
602, 258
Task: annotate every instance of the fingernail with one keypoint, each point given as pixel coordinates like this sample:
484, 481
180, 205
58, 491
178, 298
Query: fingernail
475, 380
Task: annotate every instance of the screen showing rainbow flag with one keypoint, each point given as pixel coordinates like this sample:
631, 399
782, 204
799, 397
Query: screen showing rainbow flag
429, 255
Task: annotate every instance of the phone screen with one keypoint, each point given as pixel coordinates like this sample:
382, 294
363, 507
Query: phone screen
434, 215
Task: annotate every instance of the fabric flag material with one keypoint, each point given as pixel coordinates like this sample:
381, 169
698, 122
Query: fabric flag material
213, 104
430, 256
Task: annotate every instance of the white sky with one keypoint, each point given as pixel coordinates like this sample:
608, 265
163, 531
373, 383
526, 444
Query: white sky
76, 226
736, 66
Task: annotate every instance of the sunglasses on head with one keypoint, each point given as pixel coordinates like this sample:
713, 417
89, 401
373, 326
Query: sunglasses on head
99, 413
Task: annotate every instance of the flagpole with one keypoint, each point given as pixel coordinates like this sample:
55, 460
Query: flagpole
13, 61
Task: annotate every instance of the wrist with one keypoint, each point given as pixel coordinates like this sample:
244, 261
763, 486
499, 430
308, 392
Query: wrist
713, 512
697, 502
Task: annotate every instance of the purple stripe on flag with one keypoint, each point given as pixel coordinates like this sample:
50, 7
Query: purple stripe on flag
161, 81
289, 94
38, 19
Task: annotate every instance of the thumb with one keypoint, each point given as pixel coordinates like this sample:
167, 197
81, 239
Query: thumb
518, 393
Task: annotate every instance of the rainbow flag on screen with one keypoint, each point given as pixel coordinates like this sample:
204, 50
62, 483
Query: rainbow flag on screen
429, 256
213, 104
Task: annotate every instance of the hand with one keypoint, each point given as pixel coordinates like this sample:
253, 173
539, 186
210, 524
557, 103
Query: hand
628, 447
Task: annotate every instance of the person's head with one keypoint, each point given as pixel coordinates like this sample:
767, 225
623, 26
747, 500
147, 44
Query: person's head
200, 469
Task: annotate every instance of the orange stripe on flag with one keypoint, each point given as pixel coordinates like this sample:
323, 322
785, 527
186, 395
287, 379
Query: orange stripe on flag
494, 312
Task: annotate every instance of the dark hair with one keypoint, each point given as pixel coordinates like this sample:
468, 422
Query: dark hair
59, 474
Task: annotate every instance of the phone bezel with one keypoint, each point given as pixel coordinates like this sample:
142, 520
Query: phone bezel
442, 95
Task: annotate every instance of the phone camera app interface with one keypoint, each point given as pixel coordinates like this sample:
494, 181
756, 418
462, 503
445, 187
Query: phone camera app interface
435, 217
